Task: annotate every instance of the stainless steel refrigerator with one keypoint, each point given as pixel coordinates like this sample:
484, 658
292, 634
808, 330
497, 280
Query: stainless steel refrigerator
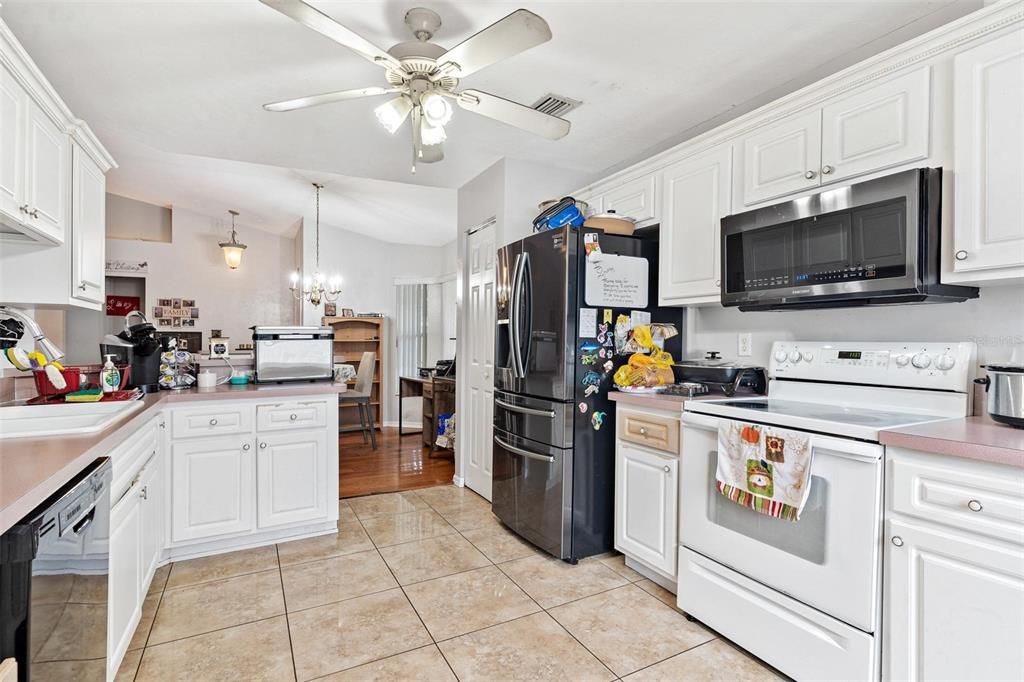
554, 436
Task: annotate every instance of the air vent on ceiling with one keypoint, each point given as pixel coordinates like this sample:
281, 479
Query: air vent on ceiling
555, 105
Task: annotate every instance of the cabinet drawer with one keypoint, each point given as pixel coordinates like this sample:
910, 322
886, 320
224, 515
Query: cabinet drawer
972, 496
297, 415
651, 430
210, 420
128, 458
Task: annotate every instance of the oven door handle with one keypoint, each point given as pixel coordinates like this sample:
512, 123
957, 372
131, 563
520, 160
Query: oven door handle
525, 453
550, 414
860, 451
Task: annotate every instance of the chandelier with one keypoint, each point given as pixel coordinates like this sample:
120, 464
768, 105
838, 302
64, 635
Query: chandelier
316, 289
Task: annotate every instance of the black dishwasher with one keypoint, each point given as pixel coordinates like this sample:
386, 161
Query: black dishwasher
54, 566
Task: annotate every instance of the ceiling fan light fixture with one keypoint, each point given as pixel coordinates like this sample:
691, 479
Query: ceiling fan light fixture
437, 111
431, 135
392, 114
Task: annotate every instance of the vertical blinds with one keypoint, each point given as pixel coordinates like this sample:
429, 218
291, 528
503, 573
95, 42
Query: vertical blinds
411, 327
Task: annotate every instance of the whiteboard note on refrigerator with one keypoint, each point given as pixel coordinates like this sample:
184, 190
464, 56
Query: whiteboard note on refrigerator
616, 281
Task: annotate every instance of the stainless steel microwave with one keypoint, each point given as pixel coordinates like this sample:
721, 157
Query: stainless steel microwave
870, 243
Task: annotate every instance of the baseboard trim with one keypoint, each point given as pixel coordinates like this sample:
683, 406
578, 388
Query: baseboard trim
459, 481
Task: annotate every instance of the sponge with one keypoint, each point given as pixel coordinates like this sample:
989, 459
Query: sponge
19, 358
88, 395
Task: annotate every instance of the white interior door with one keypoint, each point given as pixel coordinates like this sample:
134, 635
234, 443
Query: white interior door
479, 324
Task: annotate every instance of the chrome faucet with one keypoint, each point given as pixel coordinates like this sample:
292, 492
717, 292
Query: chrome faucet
48, 348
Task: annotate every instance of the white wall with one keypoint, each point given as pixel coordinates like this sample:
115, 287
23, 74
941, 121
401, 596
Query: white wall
132, 219
369, 268
995, 321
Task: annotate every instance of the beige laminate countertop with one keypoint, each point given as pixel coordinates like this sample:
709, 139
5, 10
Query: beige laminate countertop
32, 469
973, 438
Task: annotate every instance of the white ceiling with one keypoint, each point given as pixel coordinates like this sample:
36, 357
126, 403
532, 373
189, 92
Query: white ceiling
182, 82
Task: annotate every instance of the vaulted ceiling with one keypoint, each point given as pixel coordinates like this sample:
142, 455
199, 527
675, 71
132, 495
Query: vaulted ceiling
188, 79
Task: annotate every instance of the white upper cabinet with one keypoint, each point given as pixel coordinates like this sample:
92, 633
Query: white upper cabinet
47, 157
696, 195
782, 158
88, 228
989, 155
13, 101
636, 199
882, 126
875, 127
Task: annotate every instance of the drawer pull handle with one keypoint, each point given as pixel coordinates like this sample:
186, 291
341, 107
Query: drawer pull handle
974, 506
668, 469
897, 540
294, 417
643, 431
213, 422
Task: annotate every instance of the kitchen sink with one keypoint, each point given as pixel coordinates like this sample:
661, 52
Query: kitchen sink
69, 419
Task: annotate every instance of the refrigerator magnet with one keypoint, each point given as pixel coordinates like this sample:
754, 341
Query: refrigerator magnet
608, 365
591, 244
608, 316
591, 378
589, 358
589, 346
591, 390
597, 420
583, 408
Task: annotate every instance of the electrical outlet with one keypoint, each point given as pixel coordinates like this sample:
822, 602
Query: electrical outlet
743, 344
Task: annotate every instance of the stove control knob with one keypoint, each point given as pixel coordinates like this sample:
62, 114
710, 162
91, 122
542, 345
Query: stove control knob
902, 360
780, 356
808, 356
945, 362
921, 361
794, 356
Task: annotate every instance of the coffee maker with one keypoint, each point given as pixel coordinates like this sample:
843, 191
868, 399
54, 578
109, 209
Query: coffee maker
138, 347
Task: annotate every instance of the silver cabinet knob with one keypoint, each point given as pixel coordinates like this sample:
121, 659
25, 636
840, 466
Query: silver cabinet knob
810, 175
960, 255
718, 283
897, 540
82, 286
668, 469
246, 447
163, 425
974, 506
23, 209
827, 170
263, 446
294, 417
144, 493
213, 422
34, 213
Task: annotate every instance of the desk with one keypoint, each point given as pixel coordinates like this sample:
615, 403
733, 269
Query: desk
438, 395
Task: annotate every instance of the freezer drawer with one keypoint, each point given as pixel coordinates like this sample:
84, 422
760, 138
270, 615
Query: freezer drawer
545, 421
802, 642
531, 491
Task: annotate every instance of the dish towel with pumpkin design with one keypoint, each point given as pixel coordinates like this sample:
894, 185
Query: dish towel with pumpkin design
764, 468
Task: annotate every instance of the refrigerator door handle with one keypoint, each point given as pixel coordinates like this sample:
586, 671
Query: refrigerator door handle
517, 360
526, 278
550, 414
525, 453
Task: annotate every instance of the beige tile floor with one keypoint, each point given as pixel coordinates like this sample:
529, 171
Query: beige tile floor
423, 585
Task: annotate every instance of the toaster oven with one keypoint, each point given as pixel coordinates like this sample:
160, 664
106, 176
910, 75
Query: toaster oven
293, 354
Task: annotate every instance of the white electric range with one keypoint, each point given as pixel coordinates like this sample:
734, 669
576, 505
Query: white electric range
805, 595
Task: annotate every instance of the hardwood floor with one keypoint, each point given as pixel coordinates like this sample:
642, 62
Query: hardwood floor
396, 464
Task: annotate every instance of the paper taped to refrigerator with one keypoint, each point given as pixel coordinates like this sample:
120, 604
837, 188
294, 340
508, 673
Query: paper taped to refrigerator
617, 282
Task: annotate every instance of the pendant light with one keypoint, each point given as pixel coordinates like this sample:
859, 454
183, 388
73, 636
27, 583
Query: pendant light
317, 288
234, 248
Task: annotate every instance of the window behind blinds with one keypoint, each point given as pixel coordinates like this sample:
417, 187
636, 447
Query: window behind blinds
411, 328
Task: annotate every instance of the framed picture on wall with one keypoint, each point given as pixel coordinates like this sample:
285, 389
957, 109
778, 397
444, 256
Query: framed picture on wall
165, 322
176, 322
188, 303
347, 312
330, 309
194, 314
175, 302
164, 302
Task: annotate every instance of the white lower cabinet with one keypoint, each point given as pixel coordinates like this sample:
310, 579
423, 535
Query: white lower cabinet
291, 482
124, 596
212, 484
646, 486
154, 504
953, 586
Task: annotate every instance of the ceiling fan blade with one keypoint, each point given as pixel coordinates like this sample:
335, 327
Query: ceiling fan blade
505, 38
327, 98
432, 153
309, 16
514, 114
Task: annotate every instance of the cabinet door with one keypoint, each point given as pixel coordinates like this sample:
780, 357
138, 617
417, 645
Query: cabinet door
47, 157
879, 127
646, 486
953, 606
989, 153
124, 603
696, 195
13, 101
212, 483
291, 473
637, 199
88, 228
782, 158
151, 485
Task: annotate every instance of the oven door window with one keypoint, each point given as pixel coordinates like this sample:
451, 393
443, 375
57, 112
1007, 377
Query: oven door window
806, 538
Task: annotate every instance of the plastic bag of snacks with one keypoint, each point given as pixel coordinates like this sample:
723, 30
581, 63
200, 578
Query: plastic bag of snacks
643, 369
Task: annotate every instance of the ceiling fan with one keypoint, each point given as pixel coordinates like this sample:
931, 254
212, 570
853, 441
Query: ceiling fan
425, 75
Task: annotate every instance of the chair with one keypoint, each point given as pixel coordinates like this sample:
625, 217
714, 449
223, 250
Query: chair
360, 395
